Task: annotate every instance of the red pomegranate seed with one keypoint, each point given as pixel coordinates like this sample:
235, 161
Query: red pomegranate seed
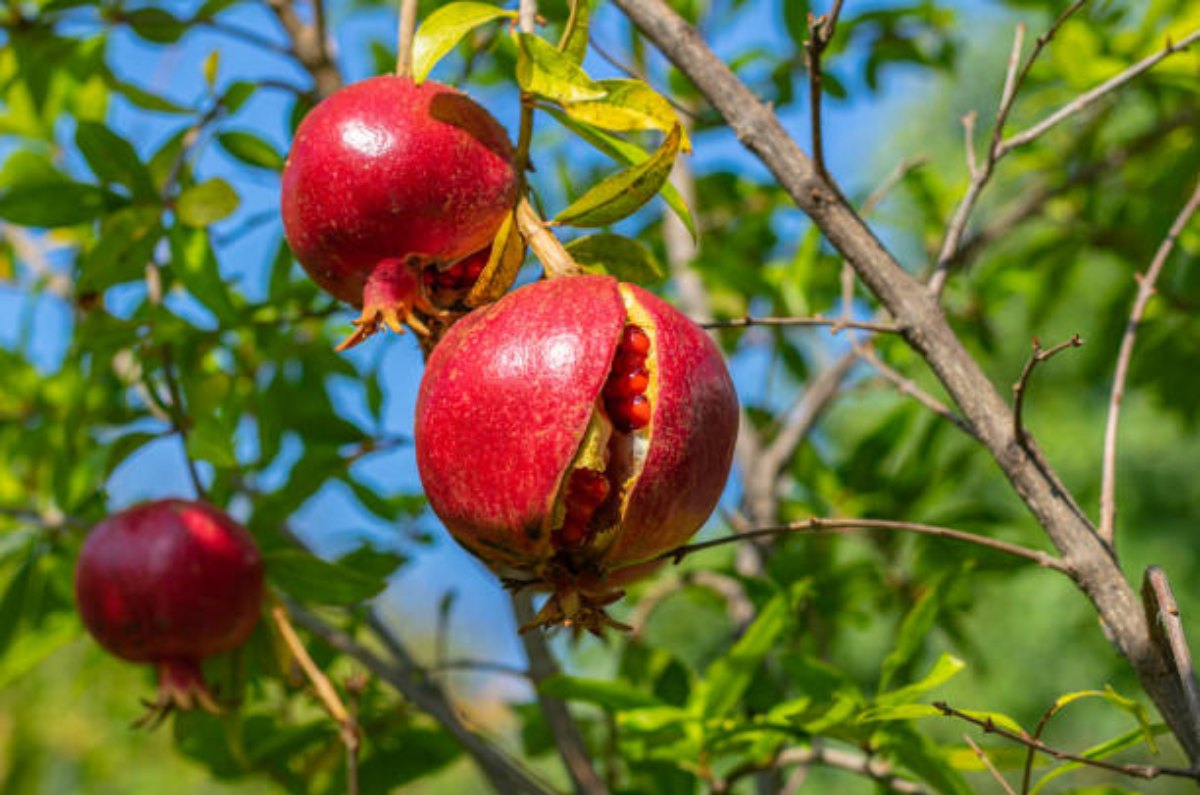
634, 340
627, 385
629, 414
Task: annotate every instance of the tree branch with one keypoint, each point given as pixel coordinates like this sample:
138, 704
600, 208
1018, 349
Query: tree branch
1136, 771
1146, 282
926, 329
309, 45
1038, 356
834, 324
567, 738
502, 772
818, 525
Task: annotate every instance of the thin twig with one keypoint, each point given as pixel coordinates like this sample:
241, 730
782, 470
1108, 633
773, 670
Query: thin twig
325, 692
542, 666
480, 666
871, 767
987, 762
989, 726
902, 170
505, 774
906, 386
820, 32
1086, 99
968, 125
1038, 356
818, 525
1146, 282
247, 36
179, 419
406, 29
835, 324
1014, 77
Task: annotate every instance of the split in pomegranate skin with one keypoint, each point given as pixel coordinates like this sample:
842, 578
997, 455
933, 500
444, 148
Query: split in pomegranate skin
386, 178
170, 583
572, 432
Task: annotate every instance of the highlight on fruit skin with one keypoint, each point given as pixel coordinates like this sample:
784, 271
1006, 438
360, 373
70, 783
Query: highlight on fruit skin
387, 180
170, 583
570, 433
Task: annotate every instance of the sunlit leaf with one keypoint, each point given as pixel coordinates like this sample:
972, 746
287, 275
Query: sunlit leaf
443, 29
628, 105
615, 255
251, 149
317, 581
546, 72
206, 203
624, 193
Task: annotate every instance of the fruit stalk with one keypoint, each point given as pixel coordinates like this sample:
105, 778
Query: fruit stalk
555, 259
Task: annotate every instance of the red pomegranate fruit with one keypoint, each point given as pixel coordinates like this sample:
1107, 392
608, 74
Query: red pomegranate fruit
570, 433
170, 583
385, 178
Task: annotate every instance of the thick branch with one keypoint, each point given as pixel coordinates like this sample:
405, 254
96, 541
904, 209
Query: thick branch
926, 329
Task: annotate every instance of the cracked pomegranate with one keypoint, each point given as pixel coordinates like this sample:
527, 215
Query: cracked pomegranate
170, 583
572, 432
385, 179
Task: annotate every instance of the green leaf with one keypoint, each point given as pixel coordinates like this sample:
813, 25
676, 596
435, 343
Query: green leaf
156, 25
251, 149
613, 696
910, 637
627, 259
211, 68
544, 71
623, 193
628, 105
195, 263
445, 28
31, 648
945, 669
237, 94
629, 154
399, 756
54, 204
1129, 705
317, 581
211, 439
125, 244
206, 203
574, 43
727, 679
144, 99
113, 159
916, 711
14, 604
126, 446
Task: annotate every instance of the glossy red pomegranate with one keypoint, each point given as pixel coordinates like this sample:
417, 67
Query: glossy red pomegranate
385, 178
570, 433
170, 583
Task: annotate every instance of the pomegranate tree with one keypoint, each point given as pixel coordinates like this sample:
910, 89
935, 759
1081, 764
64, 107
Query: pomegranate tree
386, 179
170, 583
570, 433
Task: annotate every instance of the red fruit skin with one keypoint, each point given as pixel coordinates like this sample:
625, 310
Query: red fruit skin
169, 580
503, 406
387, 169
506, 399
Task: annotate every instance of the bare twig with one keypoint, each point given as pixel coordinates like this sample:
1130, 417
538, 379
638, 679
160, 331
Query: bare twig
406, 29
1014, 78
902, 170
878, 770
820, 32
738, 606
527, 11
968, 125
987, 762
505, 774
325, 692
309, 45
1087, 98
567, 738
907, 386
1146, 282
834, 324
1038, 356
1162, 611
1146, 772
179, 419
818, 525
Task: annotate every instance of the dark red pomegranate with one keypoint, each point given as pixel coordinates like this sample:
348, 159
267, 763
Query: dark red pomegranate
170, 583
570, 433
385, 178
